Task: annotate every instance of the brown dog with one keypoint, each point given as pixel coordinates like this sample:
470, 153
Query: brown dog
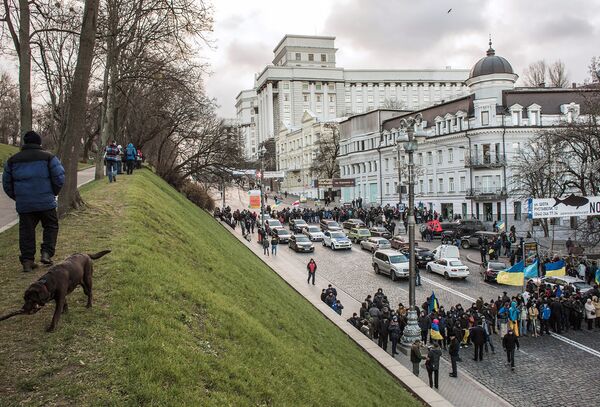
60, 280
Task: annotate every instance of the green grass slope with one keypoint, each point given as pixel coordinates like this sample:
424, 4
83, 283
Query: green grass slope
184, 314
5, 152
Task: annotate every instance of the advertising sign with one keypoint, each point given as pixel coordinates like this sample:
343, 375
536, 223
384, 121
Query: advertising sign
564, 207
529, 251
336, 182
254, 196
274, 174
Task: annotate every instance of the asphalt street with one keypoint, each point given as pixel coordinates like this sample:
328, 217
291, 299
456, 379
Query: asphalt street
550, 371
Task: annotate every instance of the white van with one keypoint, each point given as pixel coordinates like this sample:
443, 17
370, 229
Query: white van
446, 251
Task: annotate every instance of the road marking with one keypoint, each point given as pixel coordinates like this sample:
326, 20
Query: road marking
576, 344
450, 290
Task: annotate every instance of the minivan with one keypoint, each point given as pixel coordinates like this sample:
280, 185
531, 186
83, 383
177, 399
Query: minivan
390, 262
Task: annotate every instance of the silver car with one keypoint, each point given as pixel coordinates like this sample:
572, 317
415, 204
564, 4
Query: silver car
374, 243
390, 262
314, 233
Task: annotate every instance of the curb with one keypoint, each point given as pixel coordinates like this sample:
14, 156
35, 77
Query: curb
405, 377
473, 261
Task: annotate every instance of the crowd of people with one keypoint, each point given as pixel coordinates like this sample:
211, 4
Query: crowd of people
114, 157
329, 297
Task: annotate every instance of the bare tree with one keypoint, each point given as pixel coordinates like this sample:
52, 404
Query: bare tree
557, 74
535, 74
393, 104
594, 70
327, 149
9, 109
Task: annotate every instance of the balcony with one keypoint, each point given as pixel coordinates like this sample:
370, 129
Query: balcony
486, 194
486, 161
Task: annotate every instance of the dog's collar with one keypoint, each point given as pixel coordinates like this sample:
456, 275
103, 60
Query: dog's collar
43, 282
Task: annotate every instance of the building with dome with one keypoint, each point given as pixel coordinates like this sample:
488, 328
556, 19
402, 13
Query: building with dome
464, 164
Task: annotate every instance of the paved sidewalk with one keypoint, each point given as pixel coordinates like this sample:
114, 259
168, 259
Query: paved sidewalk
8, 214
462, 391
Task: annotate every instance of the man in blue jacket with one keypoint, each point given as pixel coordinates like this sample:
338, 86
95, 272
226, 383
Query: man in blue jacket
33, 178
130, 156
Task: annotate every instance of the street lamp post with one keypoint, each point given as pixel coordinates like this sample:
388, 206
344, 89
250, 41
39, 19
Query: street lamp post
412, 332
262, 177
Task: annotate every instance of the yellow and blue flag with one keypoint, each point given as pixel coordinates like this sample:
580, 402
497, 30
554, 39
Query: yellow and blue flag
556, 269
531, 271
598, 277
513, 275
434, 305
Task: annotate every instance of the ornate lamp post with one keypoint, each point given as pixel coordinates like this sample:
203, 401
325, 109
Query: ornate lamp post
261, 155
412, 331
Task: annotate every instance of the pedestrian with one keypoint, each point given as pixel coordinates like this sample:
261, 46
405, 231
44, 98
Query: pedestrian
312, 269
120, 159
590, 313
337, 307
130, 157
274, 244
33, 178
415, 356
453, 350
533, 314
394, 331
265, 245
425, 325
597, 312
546, 314
111, 154
432, 364
509, 342
477, 335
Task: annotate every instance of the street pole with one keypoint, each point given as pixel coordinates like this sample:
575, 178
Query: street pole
412, 332
399, 176
262, 205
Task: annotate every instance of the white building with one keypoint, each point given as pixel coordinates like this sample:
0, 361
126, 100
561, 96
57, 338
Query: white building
304, 77
463, 167
246, 110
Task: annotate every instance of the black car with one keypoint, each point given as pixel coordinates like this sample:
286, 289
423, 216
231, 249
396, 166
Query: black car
300, 243
422, 256
296, 225
449, 235
282, 234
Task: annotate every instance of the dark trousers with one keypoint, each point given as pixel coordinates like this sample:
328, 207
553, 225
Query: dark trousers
382, 342
434, 376
424, 337
544, 328
311, 275
478, 351
130, 166
590, 323
27, 224
394, 344
510, 357
453, 360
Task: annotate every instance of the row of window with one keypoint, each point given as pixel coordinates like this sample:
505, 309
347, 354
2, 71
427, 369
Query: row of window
311, 57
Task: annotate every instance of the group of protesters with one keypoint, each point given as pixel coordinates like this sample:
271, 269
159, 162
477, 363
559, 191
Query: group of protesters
114, 157
329, 297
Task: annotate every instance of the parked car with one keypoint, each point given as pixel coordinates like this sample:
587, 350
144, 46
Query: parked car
313, 232
353, 223
296, 225
472, 241
328, 224
491, 270
573, 282
449, 268
391, 263
461, 229
374, 243
399, 243
283, 234
359, 234
422, 256
273, 223
336, 240
300, 243
381, 232
446, 251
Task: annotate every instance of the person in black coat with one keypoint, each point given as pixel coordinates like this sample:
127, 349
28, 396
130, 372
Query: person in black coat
477, 335
382, 341
453, 350
556, 316
509, 343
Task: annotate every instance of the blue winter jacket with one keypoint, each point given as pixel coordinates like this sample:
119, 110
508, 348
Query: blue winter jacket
33, 177
130, 152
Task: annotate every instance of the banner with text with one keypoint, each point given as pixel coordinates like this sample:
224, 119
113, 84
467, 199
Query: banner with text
336, 182
254, 196
564, 207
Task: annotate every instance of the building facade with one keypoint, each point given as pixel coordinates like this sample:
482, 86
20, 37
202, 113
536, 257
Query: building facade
304, 76
463, 167
246, 111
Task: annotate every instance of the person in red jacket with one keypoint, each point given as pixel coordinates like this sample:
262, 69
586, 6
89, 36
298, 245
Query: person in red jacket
312, 269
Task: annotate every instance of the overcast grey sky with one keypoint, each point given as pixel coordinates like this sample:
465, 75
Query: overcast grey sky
401, 34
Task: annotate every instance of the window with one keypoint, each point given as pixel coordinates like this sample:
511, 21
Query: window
463, 183
420, 159
441, 185
318, 98
298, 56
286, 97
430, 190
439, 156
370, 98
517, 210
485, 118
286, 86
286, 108
331, 98
450, 155
387, 188
331, 109
348, 100
305, 86
306, 98
421, 186
387, 164
450, 184
311, 57
318, 86
331, 87
430, 158
323, 57
359, 99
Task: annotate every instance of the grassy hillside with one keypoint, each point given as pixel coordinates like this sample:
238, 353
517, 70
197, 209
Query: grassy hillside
5, 152
184, 315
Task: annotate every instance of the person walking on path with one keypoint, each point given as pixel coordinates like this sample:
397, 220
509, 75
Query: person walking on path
265, 245
477, 336
111, 155
394, 331
33, 178
453, 350
312, 270
415, 356
130, 157
433, 365
509, 342
274, 243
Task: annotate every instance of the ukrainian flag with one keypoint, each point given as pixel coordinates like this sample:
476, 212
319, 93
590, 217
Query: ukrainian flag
556, 269
434, 305
531, 271
513, 276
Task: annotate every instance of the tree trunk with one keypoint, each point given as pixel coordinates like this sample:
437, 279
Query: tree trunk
70, 147
25, 67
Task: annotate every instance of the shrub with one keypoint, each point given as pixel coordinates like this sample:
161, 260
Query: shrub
197, 195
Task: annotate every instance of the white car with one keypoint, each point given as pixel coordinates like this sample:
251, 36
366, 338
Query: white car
314, 233
449, 268
374, 243
336, 240
273, 223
